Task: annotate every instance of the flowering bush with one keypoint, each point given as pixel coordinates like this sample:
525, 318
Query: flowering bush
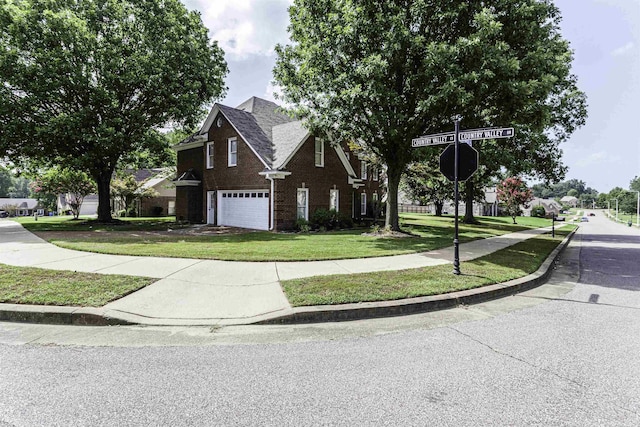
513, 193
75, 185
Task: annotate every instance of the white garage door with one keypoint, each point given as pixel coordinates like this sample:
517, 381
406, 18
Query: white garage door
246, 209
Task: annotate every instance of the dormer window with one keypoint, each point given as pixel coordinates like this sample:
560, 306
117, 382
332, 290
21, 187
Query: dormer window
363, 169
319, 153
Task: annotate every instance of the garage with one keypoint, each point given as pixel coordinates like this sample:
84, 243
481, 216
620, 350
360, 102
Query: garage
245, 208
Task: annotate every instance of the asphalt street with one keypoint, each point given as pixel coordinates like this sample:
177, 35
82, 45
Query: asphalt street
562, 354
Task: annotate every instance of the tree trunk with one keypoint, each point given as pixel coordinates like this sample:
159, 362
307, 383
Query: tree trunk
439, 206
392, 221
468, 202
103, 180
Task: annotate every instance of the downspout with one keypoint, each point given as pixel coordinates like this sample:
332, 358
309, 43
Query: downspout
271, 203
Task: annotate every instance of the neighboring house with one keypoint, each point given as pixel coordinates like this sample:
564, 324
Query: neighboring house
255, 167
491, 203
569, 200
549, 205
89, 205
159, 179
21, 207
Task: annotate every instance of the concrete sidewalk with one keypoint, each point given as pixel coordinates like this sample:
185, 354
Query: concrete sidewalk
208, 292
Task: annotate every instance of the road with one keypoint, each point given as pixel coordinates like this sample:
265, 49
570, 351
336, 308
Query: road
566, 353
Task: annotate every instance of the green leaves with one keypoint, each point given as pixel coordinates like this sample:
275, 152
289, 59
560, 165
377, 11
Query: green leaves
385, 72
85, 81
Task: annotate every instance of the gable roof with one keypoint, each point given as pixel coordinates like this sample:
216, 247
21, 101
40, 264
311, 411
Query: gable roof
273, 136
287, 138
20, 203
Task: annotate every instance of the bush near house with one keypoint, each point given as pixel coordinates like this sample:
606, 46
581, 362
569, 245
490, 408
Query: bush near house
538, 212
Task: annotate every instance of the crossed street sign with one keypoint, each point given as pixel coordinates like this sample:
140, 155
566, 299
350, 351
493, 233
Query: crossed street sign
466, 135
459, 162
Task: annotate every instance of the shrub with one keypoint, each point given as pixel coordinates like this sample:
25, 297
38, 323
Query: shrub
538, 211
302, 225
156, 210
323, 219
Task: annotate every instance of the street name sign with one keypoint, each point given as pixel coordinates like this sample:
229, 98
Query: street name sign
436, 139
487, 133
458, 162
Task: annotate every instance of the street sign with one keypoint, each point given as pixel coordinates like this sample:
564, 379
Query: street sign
467, 163
436, 139
487, 133
459, 161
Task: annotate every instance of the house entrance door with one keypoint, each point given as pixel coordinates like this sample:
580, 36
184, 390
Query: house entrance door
211, 207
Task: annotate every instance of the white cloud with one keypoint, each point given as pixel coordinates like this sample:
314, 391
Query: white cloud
623, 49
597, 159
245, 27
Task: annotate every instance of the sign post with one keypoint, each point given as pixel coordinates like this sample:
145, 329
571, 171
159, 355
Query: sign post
445, 167
456, 196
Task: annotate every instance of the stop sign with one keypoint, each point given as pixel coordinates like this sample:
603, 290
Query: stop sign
467, 162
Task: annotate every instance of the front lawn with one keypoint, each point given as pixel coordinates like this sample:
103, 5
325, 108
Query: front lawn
28, 285
430, 233
510, 263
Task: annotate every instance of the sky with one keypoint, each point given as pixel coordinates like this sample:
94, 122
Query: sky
604, 35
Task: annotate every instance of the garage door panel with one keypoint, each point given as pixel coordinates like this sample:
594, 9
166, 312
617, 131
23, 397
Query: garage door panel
246, 209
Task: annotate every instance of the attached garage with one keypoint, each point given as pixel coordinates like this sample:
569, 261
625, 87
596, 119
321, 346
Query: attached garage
246, 208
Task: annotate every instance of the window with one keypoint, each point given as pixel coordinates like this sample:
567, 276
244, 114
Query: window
233, 152
363, 169
319, 152
302, 203
375, 174
334, 199
209, 155
374, 197
363, 203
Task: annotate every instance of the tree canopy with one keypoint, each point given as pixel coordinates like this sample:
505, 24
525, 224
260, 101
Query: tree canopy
385, 72
84, 83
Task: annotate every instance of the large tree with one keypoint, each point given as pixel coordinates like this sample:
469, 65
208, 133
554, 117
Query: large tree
84, 83
385, 72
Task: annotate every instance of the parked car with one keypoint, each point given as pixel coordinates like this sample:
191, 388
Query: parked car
4, 214
560, 218
592, 214
584, 219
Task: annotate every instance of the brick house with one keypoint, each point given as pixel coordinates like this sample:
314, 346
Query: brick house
255, 167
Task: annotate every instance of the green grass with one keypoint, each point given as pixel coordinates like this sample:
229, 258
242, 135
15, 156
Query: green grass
430, 233
623, 217
510, 263
28, 285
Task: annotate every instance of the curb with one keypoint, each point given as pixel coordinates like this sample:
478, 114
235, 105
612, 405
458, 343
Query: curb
89, 316
368, 310
58, 315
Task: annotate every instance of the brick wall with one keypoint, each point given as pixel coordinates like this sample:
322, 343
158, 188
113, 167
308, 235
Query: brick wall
189, 204
319, 180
